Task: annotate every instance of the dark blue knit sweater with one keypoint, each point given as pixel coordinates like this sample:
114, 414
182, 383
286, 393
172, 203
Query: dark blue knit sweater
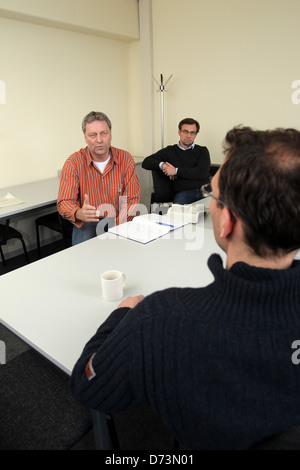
193, 165
214, 362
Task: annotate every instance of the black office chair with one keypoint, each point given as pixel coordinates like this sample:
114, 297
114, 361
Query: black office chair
213, 169
54, 221
163, 191
9, 233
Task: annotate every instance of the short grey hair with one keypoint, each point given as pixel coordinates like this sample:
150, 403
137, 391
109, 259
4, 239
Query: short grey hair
94, 116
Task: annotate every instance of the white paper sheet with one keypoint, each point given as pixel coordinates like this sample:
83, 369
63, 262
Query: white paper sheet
9, 200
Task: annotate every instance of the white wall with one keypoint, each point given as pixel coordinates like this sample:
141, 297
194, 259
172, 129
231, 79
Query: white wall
233, 62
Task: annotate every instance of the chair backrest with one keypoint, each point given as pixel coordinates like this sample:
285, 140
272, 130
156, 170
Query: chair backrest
4, 232
163, 188
67, 228
66, 225
213, 169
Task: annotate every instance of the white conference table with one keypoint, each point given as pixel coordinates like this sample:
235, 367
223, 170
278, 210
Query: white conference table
55, 304
36, 195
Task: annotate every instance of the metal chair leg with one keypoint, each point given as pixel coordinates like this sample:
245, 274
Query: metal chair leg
25, 251
2, 256
101, 433
38, 245
112, 432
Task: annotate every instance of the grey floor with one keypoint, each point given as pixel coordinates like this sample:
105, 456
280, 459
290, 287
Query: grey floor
138, 429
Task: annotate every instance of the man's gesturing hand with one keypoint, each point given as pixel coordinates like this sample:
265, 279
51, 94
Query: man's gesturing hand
87, 213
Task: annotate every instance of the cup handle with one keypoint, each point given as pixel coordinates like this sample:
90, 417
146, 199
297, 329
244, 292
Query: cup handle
124, 279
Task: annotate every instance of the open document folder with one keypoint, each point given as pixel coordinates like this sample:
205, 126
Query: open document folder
148, 227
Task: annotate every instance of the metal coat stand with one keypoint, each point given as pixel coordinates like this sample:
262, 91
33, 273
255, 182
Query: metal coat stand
162, 90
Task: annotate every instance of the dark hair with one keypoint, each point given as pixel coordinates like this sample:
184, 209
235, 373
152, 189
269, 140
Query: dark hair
94, 116
189, 121
260, 182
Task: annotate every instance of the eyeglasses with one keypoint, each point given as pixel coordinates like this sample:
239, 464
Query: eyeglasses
188, 132
208, 192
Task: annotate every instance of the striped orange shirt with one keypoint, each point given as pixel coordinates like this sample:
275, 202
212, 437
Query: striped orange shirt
115, 193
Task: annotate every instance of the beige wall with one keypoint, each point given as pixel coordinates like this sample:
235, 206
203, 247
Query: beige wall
233, 62
114, 18
61, 59
55, 76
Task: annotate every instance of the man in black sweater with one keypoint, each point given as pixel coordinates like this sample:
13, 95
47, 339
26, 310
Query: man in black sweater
220, 364
184, 167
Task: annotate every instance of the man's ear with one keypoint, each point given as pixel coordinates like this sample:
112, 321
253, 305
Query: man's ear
227, 224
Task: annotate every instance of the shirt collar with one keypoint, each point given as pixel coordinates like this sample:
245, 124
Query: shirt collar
113, 156
190, 147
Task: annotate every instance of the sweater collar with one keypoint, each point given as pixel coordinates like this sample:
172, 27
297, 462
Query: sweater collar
249, 297
246, 272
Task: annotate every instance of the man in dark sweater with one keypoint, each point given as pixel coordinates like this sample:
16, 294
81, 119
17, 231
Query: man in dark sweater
219, 364
184, 167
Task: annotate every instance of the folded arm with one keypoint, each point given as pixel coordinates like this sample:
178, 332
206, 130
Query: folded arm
152, 162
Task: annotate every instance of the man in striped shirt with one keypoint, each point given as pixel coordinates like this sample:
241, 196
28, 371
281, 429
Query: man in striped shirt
98, 183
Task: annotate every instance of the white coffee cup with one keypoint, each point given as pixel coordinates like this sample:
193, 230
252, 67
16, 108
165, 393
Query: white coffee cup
112, 283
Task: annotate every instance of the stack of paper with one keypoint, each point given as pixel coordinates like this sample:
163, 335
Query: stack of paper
9, 200
189, 213
148, 227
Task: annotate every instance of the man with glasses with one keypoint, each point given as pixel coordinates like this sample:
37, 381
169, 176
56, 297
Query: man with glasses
184, 166
219, 364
